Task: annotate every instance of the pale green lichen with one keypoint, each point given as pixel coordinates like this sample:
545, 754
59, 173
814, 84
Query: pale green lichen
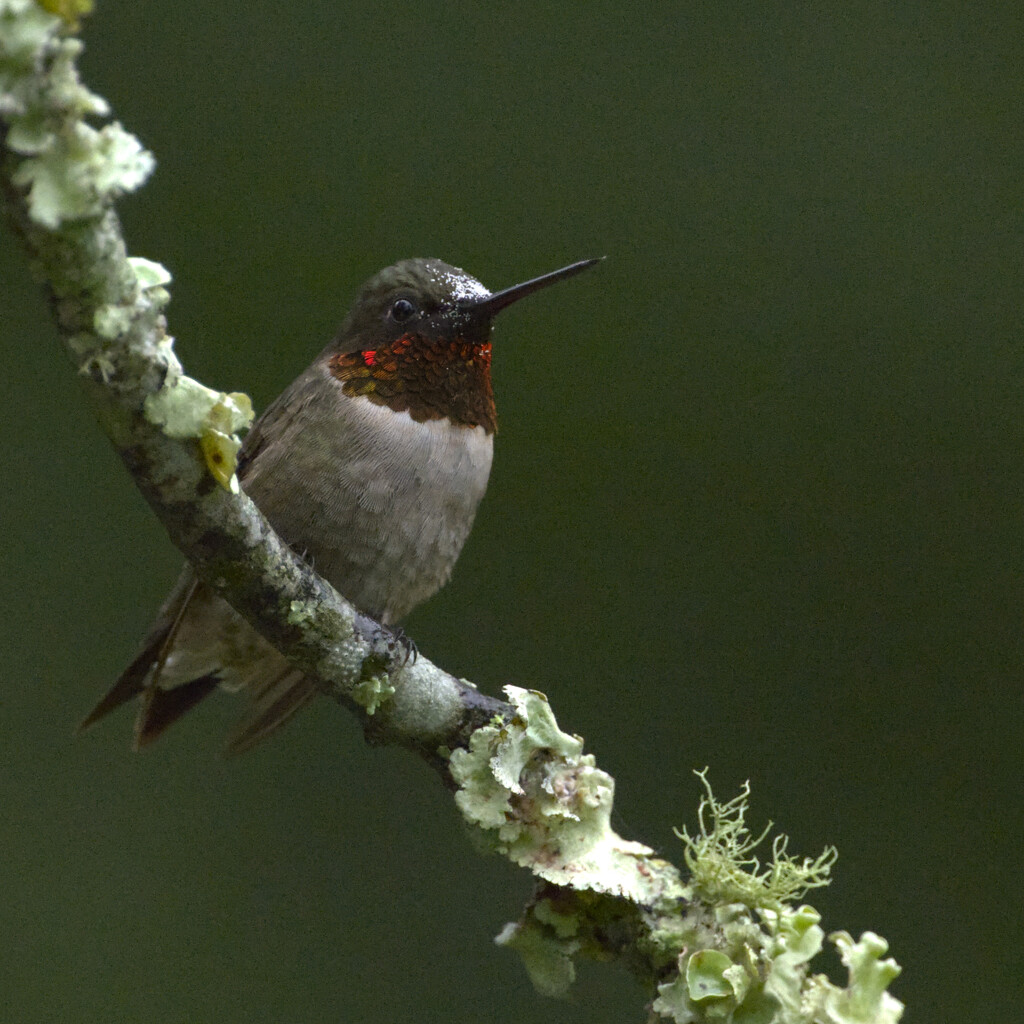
745, 954
794, 939
761, 973
864, 999
25, 28
148, 273
71, 170
81, 171
544, 803
534, 796
548, 959
186, 408
564, 925
299, 613
116, 321
724, 868
372, 692
112, 321
547, 939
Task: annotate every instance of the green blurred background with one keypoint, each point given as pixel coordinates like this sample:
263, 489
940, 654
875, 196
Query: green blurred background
757, 497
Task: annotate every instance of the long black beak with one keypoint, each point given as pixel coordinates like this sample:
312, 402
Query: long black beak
489, 305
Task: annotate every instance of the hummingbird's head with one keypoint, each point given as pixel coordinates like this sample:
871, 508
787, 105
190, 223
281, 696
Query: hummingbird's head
418, 340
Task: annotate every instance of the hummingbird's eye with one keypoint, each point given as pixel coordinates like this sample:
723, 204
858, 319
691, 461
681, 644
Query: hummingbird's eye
402, 310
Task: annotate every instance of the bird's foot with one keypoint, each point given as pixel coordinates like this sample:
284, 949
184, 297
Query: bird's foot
391, 642
410, 652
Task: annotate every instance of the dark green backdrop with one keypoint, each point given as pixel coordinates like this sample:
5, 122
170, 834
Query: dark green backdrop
757, 498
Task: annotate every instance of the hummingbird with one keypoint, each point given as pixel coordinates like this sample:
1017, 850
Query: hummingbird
371, 465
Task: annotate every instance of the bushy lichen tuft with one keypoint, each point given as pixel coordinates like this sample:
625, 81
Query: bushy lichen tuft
724, 868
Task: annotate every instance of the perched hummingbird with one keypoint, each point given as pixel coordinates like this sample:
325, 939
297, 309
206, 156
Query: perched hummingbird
370, 464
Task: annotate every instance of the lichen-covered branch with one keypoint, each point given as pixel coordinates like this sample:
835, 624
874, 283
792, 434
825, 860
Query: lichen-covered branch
725, 946
60, 176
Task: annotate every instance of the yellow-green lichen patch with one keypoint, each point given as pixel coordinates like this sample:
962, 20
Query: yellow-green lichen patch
220, 451
70, 12
186, 408
372, 692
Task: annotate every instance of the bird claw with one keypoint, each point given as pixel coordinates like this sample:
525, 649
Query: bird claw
390, 642
409, 649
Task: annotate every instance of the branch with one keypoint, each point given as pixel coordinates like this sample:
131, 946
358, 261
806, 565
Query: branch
725, 941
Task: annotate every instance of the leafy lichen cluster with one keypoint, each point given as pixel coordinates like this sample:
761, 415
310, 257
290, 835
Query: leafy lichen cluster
545, 804
745, 950
738, 966
729, 946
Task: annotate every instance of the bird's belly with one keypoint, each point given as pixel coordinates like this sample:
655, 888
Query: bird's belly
380, 504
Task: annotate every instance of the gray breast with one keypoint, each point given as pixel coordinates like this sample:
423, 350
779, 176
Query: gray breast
381, 505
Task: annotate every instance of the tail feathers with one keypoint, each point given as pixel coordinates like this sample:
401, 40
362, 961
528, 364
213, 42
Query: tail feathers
277, 690
162, 708
273, 703
131, 682
141, 674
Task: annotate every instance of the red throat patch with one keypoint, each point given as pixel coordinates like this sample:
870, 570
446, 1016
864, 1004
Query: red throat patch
430, 378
